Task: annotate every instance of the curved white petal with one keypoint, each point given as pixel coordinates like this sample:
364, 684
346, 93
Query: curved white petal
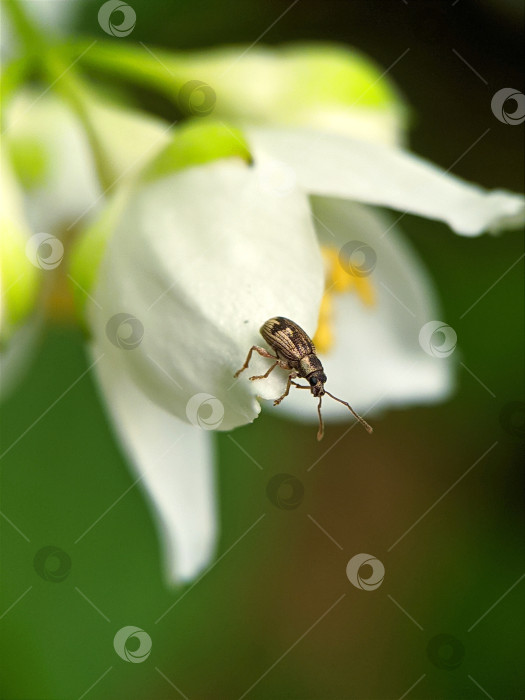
377, 361
377, 126
202, 258
174, 464
340, 166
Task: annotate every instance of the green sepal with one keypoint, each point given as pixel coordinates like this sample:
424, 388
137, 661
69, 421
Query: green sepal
30, 161
196, 143
269, 85
20, 280
88, 250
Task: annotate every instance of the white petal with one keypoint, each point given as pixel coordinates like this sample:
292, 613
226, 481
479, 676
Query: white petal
202, 258
377, 126
174, 464
377, 361
338, 166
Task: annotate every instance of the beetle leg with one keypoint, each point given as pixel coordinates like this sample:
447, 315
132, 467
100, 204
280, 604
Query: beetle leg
301, 386
264, 376
258, 349
291, 376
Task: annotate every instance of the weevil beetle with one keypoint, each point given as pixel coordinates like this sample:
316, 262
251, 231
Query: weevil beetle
295, 351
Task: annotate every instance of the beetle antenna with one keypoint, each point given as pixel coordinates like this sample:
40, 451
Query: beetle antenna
363, 422
320, 432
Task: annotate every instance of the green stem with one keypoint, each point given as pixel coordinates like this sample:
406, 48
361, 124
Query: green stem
15, 73
62, 77
165, 72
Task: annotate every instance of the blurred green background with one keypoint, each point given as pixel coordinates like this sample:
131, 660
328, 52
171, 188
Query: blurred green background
254, 612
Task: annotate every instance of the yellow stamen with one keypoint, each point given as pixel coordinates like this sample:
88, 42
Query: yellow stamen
324, 336
338, 281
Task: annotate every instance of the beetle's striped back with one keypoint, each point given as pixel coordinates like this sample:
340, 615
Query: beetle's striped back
287, 337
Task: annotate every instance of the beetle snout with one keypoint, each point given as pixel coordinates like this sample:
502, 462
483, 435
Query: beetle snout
316, 381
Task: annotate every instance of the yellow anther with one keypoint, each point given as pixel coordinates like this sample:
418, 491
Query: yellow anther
365, 290
338, 281
324, 336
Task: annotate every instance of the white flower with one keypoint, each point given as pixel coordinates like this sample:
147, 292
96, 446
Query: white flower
202, 258
194, 254
50, 152
203, 255
209, 246
221, 231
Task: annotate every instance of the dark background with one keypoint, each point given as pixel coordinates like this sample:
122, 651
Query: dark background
268, 591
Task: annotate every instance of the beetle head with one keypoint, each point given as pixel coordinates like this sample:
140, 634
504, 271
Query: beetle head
316, 381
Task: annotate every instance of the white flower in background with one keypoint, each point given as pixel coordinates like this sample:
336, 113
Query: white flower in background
50, 185
50, 152
54, 160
